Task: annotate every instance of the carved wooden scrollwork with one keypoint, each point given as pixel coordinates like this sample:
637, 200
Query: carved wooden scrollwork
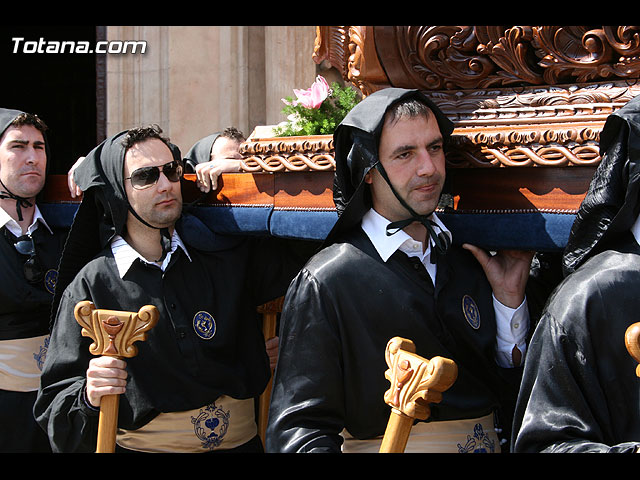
472, 57
314, 152
518, 95
415, 381
632, 342
114, 332
581, 54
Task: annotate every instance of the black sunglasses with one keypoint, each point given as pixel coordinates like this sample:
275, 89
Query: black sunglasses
32, 268
145, 177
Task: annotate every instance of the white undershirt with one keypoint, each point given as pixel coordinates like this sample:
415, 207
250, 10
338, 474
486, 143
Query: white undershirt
512, 324
7, 221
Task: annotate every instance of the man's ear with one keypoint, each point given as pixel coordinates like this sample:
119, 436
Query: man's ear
367, 177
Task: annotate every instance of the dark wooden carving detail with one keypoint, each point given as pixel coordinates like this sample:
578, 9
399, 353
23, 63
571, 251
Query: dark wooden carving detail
478, 57
519, 96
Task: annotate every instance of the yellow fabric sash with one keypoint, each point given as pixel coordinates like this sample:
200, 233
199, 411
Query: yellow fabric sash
223, 424
453, 436
21, 363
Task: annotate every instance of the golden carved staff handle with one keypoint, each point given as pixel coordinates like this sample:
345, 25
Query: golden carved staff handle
415, 383
113, 333
632, 342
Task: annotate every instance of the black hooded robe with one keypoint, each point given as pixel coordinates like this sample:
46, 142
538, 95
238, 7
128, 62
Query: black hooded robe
25, 310
346, 304
175, 369
580, 392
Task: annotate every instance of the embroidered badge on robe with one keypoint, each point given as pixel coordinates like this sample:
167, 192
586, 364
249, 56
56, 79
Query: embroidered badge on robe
478, 443
471, 312
50, 280
42, 353
204, 325
211, 425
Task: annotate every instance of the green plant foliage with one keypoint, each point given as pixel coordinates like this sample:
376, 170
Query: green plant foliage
302, 120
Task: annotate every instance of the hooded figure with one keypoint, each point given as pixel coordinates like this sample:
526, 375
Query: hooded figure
6, 117
356, 152
579, 391
200, 152
353, 297
103, 212
202, 365
29, 258
213, 155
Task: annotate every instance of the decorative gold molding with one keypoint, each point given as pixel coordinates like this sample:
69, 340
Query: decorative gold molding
293, 154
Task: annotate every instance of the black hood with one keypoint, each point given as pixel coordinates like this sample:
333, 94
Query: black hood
200, 152
356, 142
7, 116
610, 207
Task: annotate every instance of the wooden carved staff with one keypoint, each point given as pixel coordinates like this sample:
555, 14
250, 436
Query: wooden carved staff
113, 333
632, 342
415, 383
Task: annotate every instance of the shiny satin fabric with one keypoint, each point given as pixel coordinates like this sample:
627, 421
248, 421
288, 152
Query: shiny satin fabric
580, 392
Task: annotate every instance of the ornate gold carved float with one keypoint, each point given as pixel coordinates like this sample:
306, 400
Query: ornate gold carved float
528, 103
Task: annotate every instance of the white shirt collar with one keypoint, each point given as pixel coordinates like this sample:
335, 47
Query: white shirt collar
375, 225
124, 254
14, 227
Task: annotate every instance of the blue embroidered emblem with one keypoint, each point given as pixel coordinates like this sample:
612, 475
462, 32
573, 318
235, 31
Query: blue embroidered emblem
50, 280
471, 312
42, 354
479, 443
204, 325
211, 425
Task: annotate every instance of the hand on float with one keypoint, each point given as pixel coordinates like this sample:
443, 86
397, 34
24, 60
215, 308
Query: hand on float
207, 173
507, 272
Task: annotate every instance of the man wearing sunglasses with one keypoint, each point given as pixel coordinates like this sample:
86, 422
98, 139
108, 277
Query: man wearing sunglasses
191, 388
30, 250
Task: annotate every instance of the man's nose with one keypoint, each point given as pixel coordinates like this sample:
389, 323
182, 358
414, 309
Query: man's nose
163, 183
32, 155
426, 164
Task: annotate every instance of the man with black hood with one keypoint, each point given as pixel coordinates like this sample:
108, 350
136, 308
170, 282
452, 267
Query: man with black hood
30, 252
191, 386
580, 392
373, 281
213, 155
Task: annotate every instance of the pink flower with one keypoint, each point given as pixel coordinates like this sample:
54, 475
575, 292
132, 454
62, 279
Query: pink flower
313, 96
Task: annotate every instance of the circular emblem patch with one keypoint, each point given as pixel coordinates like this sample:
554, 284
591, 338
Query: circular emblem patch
471, 312
50, 280
204, 325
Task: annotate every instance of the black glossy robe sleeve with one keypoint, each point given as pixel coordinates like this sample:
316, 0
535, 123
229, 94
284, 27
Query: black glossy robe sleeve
580, 392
